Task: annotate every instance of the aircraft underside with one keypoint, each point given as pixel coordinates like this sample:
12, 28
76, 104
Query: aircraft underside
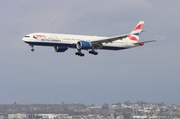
64, 45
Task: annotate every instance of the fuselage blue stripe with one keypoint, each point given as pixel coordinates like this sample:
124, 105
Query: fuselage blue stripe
72, 45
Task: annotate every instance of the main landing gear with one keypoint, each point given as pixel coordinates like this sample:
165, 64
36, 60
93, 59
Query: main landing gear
93, 52
79, 53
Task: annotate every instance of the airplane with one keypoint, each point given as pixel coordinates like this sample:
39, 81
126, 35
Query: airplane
61, 42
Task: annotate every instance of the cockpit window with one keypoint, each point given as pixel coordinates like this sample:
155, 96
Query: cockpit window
27, 36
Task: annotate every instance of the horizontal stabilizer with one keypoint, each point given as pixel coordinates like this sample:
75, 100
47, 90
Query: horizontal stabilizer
147, 41
142, 43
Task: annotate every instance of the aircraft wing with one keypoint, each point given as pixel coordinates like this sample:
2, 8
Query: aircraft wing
110, 39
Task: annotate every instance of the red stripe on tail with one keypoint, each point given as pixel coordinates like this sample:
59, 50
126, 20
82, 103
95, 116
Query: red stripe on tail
132, 38
138, 27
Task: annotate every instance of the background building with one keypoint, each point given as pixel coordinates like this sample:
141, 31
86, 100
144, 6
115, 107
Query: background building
18, 116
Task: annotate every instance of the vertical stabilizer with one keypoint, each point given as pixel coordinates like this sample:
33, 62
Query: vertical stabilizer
136, 32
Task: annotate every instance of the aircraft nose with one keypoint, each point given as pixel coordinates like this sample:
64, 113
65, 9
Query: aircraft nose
25, 38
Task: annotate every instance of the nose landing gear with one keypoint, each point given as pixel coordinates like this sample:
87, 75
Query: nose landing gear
32, 48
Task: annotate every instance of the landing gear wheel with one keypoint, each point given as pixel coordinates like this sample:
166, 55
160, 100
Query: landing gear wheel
32, 49
90, 52
93, 52
79, 54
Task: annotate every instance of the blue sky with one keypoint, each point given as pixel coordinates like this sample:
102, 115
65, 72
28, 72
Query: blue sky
150, 73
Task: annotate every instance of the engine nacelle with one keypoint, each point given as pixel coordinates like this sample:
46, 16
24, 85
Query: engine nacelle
83, 45
60, 49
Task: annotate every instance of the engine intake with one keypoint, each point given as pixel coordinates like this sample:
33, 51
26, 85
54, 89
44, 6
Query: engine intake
60, 49
83, 45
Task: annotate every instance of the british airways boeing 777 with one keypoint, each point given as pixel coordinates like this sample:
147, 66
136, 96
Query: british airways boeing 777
61, 42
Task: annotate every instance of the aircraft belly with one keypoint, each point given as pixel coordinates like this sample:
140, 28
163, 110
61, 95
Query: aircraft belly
52, 44
114, 46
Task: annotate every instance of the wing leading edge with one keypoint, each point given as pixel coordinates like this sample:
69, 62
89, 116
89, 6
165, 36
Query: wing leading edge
110, 39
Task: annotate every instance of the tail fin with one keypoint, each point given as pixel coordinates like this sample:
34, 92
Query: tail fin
136, 32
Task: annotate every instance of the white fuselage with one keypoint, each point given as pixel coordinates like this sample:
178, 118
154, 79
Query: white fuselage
67, 40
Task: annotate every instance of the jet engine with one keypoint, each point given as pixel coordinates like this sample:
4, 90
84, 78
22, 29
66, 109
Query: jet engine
60, 49
83, 45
